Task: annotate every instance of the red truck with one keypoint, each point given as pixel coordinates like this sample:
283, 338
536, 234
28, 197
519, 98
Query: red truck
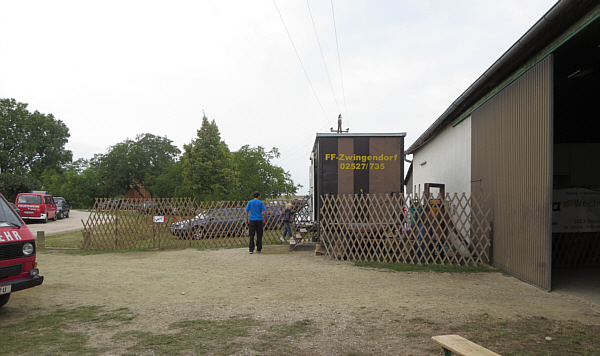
18, 267
37, 205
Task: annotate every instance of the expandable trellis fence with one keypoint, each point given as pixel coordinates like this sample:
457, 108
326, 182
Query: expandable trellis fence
407, 229
576, 249
178, 222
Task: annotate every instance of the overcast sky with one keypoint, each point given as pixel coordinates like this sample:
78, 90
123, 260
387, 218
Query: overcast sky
111, 70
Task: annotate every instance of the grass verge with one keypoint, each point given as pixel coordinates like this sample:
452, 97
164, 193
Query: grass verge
404, 267
69, 331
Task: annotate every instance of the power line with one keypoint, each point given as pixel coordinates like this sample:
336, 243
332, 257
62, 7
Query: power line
322, 56
300, 146
301, 64
339, 64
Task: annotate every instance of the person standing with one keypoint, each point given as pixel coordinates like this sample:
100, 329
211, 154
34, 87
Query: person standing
255, 218
287, 219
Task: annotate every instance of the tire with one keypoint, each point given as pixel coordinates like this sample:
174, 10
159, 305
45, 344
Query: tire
67, 216
45, 219
55, 217
4, 299
61, 216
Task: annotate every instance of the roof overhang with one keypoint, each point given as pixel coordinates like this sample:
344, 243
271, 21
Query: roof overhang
546, 30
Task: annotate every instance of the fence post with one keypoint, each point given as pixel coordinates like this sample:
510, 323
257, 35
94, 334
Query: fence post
117, 228
41, 239
86, 240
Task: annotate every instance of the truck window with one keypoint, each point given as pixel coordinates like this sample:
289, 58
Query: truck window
7, 216
29, 199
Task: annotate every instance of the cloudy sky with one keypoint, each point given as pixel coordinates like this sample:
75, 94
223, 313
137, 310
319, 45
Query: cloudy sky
270, 73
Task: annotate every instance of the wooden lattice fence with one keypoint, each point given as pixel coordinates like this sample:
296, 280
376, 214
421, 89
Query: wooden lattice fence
176, 222
576, 249
421, 230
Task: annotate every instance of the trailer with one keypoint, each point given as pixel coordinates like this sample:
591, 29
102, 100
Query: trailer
356, 163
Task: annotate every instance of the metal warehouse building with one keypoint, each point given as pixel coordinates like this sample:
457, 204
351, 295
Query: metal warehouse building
525, 137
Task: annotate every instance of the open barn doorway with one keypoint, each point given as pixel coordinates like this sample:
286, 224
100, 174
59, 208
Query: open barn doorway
576, 172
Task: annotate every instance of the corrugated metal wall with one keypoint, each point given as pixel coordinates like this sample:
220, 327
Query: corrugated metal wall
512, 167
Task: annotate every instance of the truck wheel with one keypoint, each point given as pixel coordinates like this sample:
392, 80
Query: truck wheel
4, 299
45, 219
66, 216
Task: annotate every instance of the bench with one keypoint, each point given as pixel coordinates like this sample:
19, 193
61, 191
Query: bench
461, 346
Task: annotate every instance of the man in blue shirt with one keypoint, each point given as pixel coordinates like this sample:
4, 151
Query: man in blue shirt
255, 218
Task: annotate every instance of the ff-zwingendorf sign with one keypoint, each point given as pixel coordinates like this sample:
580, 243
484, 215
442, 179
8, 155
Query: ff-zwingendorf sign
576, 210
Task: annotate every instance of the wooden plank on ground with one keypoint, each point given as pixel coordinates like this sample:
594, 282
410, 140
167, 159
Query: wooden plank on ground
462, 346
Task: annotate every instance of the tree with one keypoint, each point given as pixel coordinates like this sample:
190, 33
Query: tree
254, 164
166, 184
31, 142
78, 182
11, 185
134, 163
208, 172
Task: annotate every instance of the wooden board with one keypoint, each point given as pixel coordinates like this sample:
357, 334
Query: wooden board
462, 346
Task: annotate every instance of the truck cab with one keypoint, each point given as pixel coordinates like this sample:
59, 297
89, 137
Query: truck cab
18, 266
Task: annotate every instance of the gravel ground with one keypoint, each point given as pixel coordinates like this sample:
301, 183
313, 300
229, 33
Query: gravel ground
352, 308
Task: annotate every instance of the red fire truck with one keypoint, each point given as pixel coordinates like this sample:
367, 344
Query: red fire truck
18, 268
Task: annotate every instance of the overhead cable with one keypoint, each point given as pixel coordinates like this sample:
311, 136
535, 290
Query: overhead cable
340, 65
301, 64
322, 56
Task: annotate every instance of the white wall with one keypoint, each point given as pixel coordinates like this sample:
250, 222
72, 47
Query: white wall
445, 159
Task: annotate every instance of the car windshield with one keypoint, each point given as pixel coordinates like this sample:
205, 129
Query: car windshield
226, 213
8, 217
29, 199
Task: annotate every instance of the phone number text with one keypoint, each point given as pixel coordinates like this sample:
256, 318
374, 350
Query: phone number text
360, 166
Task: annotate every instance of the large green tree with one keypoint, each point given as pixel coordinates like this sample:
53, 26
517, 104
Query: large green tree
208, 172
255, 165
12, 184
134, 163
31, 141
79, 183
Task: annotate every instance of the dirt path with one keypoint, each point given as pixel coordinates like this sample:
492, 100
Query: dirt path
352, 307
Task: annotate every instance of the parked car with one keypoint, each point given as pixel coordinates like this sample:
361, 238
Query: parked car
62, 208
36, 206
214, 223
187, 228
152, 207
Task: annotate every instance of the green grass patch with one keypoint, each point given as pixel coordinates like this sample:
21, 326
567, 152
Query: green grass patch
218, 337
68, 332
405, 267
72, 239
61, 332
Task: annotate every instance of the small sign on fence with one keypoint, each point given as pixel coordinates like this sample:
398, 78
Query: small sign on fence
159, 219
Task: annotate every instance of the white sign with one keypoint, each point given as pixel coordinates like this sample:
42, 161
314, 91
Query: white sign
159, 219
576, 210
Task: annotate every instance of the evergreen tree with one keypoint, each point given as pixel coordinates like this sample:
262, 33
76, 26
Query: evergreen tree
207, 169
